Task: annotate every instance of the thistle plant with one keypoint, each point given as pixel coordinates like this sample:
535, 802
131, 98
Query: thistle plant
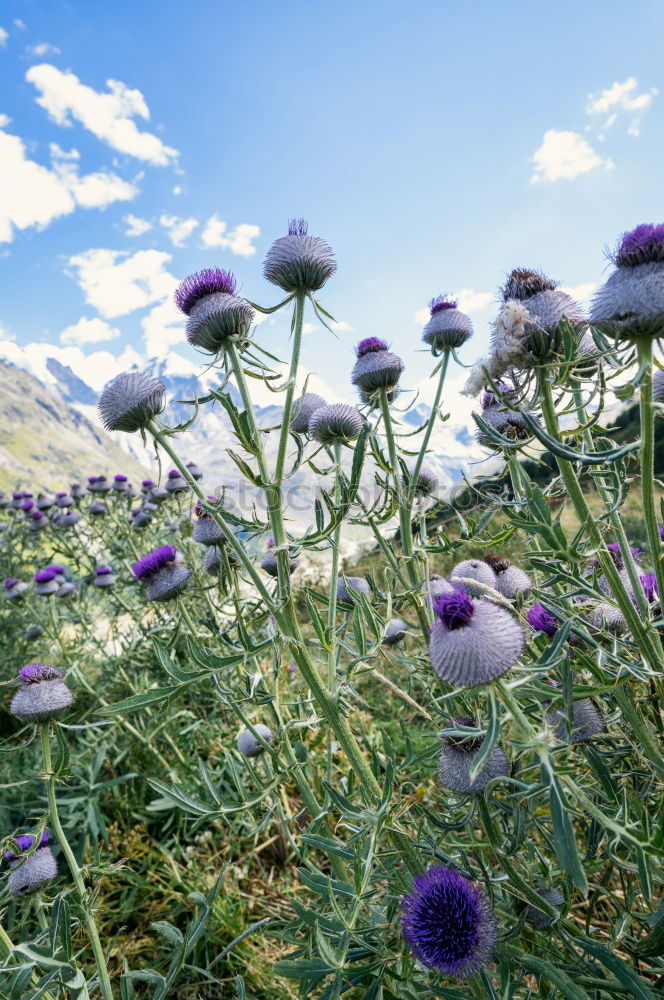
435, 769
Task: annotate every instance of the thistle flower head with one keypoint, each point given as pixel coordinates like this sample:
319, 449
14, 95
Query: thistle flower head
455, 761
468, 744
650, 589
120, 478
441, 302
455, 609
395, 630
497, 563
45, 576
151, 563
303, 409
369, 345
350, 587
335, 422
24, 841
448, 923
130, 401
209, 281
34, 673
247, 743
9, 582
542, 620
538, 918
103, 571
298, 261
474, 572
642, 245
523, 284
490, 399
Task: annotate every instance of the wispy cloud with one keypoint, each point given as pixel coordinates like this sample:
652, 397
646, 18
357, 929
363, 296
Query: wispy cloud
107, 115
621, 99
239, 240
89, 331
136, 226
41, 49
117, 283
565, 155
178, 230
4, 35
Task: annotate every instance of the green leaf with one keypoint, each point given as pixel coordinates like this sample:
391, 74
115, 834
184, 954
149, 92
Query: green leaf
546, 970
154, 696
181, 798
563, 830
491, 738
636, 986
308, 968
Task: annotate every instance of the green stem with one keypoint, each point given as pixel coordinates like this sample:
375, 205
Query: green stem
93, 933
649, 650
442, 372
647, 411
332, 601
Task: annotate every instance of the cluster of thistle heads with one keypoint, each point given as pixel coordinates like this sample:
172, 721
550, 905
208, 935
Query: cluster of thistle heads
481, 625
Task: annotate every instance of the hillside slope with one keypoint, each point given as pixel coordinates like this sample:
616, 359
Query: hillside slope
47, 443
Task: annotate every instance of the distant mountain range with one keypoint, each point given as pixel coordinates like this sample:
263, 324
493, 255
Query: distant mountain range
51, 435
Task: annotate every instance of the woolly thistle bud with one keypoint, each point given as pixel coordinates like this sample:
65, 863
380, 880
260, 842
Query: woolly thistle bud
247, 743
474, 571
509, 423
216, 314
104, 577
64, 500
66, 589
139, 518
395, 630
448, 923
121, 484
14, 588
472, 642
336, 422
376, 368
176, 483
194, 471
131, 401
299, 262
658, 386
607, 617
270, 562
630, 303
38, 521
43, 693
206, 530
77, 491
456, 759
448, 326
212, 559
510, 580
426, 485
538, 918
587, 722
349, 587
44, 502
68, 519
303, 409
98, 508
158, 494
98, 484
164, 578
30, 872
45, 582
33, 632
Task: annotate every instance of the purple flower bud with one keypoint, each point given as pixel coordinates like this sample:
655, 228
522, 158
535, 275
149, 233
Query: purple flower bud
335, 422
472, 642
456, 759
164, 578
395, 630
64, 500
104, 577
510, 580
538, 918
209, 281
14, 588
44, 503
247, 743
630, 303
206, 530
303, 409
448, 923
299, 262
68, 519
33, 632
588, 722
194, 471
131, 401
650, 589
46, 582
24, 841
448, 326
215, 313
42, 695
270, 562
349, 587
376, 368
98, 508
27, 506
542, 620
427, 482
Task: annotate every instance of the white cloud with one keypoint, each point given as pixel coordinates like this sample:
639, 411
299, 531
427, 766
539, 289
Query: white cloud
4, 35
621, 97
32, 195
58, 153
89, 331
238, 240
43, 49
179, 230
116, 282
18, 23
108, 115
468, 301
565, 155
136, 226
177, 189
163, 327
342, 326
95, 369
582, 293
5, 120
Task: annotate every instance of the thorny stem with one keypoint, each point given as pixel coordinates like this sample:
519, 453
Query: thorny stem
647, 412
54, 818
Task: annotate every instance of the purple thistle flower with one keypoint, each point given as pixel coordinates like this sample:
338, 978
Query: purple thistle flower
661, 531
298, 261
368, 345
542, 620
42, 695
103, 571
335, 422
209, 281
303, 409
58, 570
154, 561
10, 582
62, 493
440, 303
27, 506
642, 245
455, 609
448, 923
147, 483
25, 841
121, 479
34, 673
45, 576
649, 584
92, 479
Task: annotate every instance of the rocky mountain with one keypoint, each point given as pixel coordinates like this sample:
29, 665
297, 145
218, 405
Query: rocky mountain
47, 443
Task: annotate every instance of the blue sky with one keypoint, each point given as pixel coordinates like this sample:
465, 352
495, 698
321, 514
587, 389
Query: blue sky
435, 146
